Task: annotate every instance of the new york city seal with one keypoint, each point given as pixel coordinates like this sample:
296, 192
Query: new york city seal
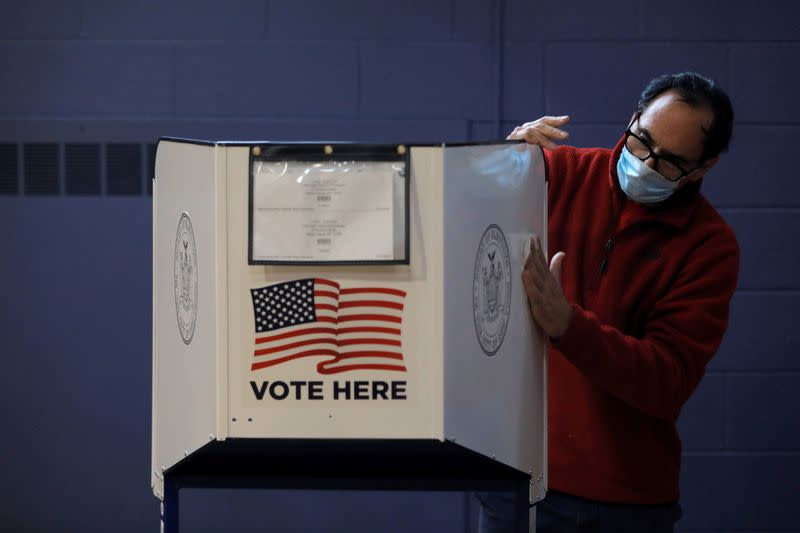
491, 289
185, 281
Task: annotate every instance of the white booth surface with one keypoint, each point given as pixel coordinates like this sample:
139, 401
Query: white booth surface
312, 291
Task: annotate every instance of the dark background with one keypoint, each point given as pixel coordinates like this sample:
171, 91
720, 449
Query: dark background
87, 87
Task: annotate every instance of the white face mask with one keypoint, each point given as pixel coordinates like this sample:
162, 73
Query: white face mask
641, 183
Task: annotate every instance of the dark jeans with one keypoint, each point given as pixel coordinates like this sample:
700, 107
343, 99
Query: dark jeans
562, 513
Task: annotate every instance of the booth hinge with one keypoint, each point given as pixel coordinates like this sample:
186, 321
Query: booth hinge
535, 489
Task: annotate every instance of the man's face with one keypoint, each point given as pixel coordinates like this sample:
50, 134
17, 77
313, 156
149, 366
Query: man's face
675, 130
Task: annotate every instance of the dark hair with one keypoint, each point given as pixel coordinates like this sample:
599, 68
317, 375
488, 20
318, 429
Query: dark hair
697, 91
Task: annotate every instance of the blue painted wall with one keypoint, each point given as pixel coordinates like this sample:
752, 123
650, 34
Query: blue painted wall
86, 86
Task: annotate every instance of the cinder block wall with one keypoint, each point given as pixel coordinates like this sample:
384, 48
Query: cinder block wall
88, 86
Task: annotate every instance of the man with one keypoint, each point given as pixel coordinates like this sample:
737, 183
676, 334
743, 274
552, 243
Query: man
635, 302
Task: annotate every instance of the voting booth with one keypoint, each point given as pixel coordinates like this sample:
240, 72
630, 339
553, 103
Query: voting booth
346, 311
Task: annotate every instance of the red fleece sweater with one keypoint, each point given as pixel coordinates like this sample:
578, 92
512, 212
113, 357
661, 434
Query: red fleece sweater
649, 288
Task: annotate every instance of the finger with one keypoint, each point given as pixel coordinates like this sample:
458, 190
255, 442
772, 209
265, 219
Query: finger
542, 254
541, 257
534, 304
529, 260
552, 120
536, 256
545, 140
556, 265
534, 136
527, 280
532, 290
535, 277
531, 254
517, 133
526, 135
555, 121
551, 132
536, 267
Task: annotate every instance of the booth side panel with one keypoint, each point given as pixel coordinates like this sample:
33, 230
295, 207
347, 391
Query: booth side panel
298, 398
494, 358
221, 239
428, 170
185, 300
156, 476
540, 488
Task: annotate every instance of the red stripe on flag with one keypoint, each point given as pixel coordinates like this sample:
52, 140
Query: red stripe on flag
371, 303
267, 351
393, 331
380, 290
325, 293
331, 319
384, 342
327, 307
377, 318
320, 281
273, 362
323, 369
370, 353
307, 331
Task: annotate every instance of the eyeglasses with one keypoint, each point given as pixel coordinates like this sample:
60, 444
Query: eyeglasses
640, 148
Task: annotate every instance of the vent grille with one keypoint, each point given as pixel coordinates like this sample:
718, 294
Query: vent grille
124, 169
77, 168
9, 184
41, 169
82, 168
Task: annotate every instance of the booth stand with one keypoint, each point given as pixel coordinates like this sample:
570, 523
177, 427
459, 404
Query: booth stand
346, 316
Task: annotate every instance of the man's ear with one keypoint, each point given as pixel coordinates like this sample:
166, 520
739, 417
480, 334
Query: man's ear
698, 174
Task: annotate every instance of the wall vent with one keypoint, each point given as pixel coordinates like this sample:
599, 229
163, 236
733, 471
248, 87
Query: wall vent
9, 183
82, 168
124, 169
41, 168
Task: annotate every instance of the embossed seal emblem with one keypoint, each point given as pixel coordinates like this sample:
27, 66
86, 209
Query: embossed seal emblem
185, 263
491, 289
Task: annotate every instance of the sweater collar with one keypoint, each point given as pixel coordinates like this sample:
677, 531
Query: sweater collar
676, 211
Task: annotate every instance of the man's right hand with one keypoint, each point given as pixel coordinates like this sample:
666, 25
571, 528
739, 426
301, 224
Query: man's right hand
544, 131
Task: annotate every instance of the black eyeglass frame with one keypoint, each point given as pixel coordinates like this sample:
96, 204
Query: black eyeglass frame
655, 156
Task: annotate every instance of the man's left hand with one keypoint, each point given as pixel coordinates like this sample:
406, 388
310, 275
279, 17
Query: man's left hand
549, 306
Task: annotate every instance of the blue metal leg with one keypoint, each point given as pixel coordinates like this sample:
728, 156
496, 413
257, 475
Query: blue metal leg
170, 506
522, 508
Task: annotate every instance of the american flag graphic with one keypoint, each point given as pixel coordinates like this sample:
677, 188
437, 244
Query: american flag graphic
353, 328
